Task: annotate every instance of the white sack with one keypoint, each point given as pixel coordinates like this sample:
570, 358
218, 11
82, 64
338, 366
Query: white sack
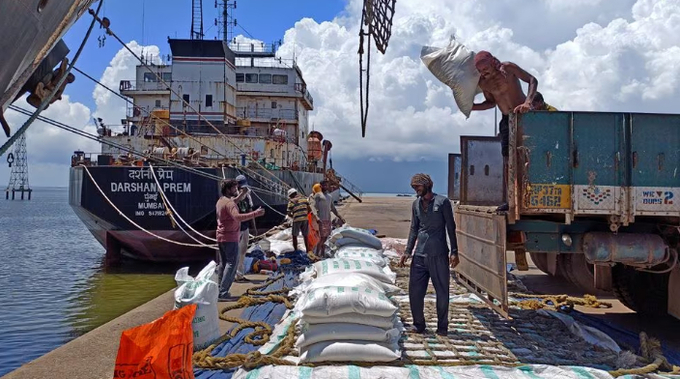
352, 279
336, 300
281, 247
345, 265
203, 291
355, 318
362, 235
314, 333
362, 254
454, 66
355, 351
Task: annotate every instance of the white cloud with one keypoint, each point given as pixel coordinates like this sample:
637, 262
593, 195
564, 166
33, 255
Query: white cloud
587, 55
49, 148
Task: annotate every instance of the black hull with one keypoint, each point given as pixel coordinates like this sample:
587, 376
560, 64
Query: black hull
135, 195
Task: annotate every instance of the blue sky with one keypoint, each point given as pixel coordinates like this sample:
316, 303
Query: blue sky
266, 20
597, 55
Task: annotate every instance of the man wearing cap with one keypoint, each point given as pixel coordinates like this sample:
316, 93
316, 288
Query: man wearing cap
431, 221
500, 83
298, 210
245, 205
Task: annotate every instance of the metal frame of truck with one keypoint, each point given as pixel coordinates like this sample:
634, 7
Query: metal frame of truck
593, 196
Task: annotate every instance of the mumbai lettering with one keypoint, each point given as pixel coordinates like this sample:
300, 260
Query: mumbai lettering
150, 187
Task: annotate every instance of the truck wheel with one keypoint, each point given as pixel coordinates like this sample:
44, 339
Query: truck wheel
643, 292
577, 270
541, 261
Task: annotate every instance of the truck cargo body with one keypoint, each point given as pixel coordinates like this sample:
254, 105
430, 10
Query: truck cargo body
593, 197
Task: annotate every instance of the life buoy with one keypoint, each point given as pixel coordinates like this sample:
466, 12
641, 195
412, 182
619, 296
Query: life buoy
10, 159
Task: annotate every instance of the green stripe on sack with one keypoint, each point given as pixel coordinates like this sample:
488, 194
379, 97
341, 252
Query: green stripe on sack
413, 372
253, 374
353, 372
528, 371
489, 372
305, 372
582, 373
443, 373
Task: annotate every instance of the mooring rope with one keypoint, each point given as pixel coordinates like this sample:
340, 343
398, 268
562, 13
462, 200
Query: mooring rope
214, 247
173, 212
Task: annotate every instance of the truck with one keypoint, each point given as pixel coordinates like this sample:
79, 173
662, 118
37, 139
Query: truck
592, 196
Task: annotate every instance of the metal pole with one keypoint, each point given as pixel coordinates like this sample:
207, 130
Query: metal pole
495, 122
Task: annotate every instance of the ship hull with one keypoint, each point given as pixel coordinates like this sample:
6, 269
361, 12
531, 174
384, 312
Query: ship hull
132, 191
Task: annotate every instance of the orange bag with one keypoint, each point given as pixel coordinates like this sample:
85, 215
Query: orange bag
160, 349
313, 236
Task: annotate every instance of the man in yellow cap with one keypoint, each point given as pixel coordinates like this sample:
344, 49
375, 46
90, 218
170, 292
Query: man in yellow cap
431, 221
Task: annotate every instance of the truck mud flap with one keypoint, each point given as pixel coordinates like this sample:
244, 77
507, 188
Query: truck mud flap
481, 235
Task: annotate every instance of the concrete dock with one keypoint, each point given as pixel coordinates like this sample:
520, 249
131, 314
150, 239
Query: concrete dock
92, 356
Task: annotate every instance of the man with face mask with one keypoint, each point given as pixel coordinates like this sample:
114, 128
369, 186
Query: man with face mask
431, 221
501, 87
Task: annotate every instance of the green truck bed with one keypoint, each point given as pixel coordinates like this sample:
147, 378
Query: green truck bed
621, 165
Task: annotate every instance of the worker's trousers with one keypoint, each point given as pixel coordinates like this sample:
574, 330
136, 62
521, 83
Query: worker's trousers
422, 270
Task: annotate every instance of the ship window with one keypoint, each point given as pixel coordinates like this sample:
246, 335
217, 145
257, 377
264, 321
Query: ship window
149, 77
208, 100
158, 103
186, 97
266, 78
41, 5
280, 79
167, 76
240, 78
251, 78
273, 104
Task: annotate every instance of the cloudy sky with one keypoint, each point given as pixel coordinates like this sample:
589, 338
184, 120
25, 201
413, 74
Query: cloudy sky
595, 55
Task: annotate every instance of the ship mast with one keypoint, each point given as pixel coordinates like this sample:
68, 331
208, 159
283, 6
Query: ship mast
197, 19
226, 26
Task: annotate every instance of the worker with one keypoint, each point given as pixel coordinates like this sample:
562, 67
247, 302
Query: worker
431, 221
228, 229
323, 202
540, 105
501, 87
245, 204
298, 210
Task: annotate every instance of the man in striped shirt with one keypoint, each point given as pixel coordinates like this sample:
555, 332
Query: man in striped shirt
298, 210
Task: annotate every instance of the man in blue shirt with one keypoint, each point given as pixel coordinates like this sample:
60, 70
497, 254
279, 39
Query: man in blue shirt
431, 221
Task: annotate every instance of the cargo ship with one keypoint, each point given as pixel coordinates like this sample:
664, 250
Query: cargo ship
217, 110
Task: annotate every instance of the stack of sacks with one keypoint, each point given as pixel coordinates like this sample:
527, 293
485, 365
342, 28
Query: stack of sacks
346, 314
362, 253
349, 236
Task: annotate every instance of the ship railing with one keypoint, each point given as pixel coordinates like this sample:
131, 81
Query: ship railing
351, 186
267, 113
302, 88
264, 62
141, 85
253, 47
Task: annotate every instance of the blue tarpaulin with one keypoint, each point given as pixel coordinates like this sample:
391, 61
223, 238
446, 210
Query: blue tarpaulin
271, 313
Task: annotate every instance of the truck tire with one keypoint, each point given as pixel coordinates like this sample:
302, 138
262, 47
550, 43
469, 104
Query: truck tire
643, 292
540, 261
577, 270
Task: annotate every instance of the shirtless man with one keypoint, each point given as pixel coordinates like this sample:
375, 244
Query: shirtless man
501, 87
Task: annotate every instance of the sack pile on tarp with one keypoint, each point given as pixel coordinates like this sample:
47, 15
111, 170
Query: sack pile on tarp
345, 310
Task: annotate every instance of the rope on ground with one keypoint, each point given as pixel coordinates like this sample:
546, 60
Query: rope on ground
536, 302
214, 247
651, 350
259, 336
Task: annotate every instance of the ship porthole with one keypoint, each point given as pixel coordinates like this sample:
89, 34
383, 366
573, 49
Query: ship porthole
41, 5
